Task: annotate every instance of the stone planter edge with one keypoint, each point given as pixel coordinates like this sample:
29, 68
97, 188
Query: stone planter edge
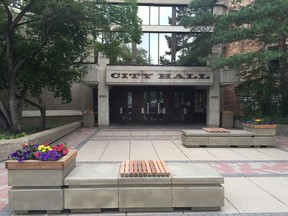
8, 146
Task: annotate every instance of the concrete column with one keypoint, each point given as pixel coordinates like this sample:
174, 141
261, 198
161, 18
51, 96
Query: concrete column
213, 103
213, 94
103, 92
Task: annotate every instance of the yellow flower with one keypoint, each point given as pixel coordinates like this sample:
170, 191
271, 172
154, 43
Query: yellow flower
258, 120
40, 147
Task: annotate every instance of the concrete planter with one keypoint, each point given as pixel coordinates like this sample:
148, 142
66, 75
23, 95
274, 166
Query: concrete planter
261, 130
8, 146
282, 130
38, 185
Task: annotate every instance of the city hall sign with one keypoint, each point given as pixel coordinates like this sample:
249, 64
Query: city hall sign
159, 76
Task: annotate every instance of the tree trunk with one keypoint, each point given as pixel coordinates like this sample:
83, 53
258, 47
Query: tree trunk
14, 113
13, 103
42, 120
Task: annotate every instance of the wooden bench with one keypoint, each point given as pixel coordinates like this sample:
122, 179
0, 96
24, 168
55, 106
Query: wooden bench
143, 168
216, 130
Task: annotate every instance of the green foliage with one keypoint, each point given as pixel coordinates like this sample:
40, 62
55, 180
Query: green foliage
6, 136
263, 89
44, 44
116, 30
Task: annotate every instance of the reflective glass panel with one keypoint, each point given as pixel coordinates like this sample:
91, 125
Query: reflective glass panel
154, 48
165, 14
143, 47
154, 15
143, 13
163, 48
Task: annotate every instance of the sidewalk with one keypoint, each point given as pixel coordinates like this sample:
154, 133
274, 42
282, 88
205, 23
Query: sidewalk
256, 179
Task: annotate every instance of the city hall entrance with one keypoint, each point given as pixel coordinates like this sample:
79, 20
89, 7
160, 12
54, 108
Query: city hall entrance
158, 104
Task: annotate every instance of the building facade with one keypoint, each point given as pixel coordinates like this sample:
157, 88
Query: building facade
152, 92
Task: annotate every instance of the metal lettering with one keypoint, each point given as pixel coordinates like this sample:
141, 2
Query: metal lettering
164, 76
134, 76
203, 76
124, 75
191, 76
178, 76
147, 76
115, 75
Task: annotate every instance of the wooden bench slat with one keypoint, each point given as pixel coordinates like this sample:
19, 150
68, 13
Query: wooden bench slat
135, 168
215, 130
140, 169
152, 167
122, 168
165, 167
149, 172
158, 171
143, 168
130, 168
162, 170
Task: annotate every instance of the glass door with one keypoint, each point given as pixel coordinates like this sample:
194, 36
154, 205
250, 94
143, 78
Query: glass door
126, 106
153, 106
183, 106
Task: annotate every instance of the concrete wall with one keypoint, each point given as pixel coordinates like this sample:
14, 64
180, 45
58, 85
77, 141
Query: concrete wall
79, 93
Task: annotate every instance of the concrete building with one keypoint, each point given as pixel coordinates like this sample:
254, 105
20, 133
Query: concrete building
150, 93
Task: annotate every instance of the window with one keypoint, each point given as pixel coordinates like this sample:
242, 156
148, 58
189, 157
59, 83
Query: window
155, 15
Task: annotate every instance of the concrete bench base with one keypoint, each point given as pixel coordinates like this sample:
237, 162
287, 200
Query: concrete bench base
94, 187
234, 138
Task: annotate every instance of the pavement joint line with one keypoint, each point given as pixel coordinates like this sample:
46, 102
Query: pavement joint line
180, 150
103, 151
267, 191
80, 145
155, 150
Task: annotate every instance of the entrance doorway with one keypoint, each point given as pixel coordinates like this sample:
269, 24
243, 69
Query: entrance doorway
153, 109
157, 105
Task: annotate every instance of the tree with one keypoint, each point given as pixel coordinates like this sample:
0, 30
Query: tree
263, 23
47, 42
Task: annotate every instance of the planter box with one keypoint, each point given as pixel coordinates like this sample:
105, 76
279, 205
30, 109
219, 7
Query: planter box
261, 130
33, 179
49, 136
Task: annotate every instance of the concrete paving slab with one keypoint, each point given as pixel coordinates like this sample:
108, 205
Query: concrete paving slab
198, 154
122, 133
116, 151
92, 151
251, 198
226, 154
253, 154
156, 132
228, 207
139, 133
173, 133
142, 150
278, 189
167, 150
276, 154
115, 155
106, 133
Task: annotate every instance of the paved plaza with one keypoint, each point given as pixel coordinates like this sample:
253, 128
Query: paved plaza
256, 179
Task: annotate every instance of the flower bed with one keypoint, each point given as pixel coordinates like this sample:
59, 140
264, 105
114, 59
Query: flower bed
261, 130
50, 136
34, 183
